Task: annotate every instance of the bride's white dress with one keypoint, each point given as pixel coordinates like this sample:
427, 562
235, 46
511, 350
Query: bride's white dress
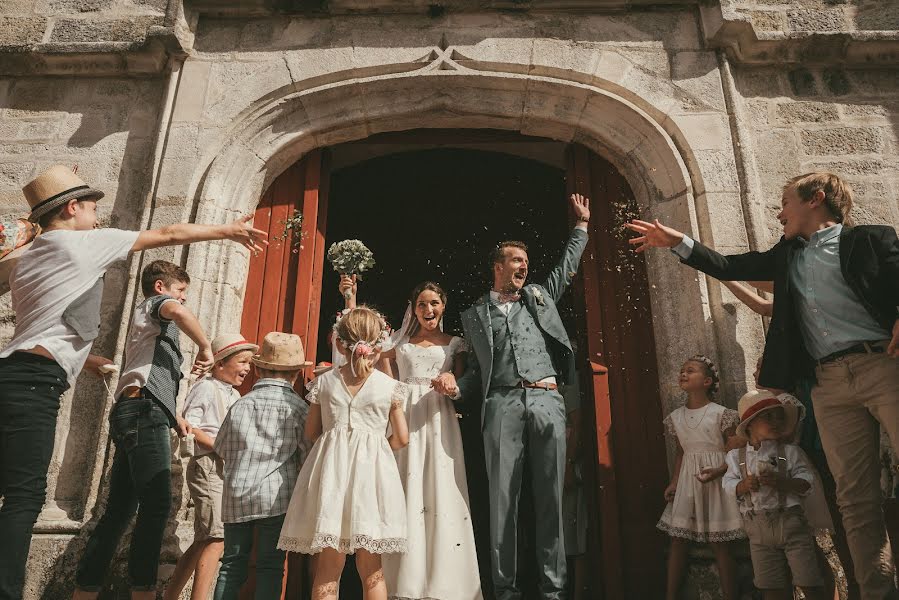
440, 562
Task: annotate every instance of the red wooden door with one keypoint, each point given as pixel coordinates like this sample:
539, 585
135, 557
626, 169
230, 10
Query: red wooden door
622, 420
283, 290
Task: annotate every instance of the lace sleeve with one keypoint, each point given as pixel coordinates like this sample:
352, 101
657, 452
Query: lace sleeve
729, 418
460, 346
400, 393
668, 422
312, 391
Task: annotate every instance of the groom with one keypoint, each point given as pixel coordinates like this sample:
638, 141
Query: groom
520, 355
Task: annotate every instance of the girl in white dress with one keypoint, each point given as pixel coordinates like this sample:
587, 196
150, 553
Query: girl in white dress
348, 497
698, 508
441, 562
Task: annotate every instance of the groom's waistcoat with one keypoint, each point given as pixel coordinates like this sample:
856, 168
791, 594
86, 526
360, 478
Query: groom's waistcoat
520, 350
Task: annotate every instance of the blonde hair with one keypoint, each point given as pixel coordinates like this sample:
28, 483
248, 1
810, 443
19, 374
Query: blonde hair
837, 193
358, 330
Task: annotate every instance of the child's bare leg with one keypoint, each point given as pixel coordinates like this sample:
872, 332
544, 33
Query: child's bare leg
815, 593
369, 566
328, 567
150, 595
183, 571
82, 595
727, 570
207, 566
677, 567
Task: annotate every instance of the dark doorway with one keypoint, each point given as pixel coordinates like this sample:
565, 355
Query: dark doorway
435, 215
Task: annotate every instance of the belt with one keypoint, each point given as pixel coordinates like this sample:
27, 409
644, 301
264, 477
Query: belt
863, 348
538, 385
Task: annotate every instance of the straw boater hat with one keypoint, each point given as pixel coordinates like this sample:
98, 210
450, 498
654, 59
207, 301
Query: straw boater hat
754, 403
281, 352
53, 188
229, 344
322, 367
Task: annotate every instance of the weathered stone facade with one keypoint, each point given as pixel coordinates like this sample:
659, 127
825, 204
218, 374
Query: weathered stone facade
187, 112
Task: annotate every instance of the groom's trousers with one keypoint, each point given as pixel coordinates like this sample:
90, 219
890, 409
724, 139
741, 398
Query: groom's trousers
530, 423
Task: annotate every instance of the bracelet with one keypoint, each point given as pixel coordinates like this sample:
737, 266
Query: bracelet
583, 219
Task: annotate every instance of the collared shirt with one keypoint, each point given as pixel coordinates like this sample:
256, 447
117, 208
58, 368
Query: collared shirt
766, 498
261, 444
207, 404
831, 316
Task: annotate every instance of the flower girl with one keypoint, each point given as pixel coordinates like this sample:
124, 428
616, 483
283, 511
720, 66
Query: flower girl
698, 508
348, 497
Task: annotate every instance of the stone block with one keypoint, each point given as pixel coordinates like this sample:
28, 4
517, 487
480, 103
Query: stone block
874, 212
192, 91
20, 31
724, 217
866, 112
802, 82
704, 131
875, 82
806, 112
73, 7
758, 113
759, 82
767, 20
16, 174
697, 73
816, 19
836, 82
217, 35
844, 166
132, 29
719, 171
236, 85
842, 140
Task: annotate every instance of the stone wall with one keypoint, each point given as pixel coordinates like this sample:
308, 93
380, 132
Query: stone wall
818, 16
841, 120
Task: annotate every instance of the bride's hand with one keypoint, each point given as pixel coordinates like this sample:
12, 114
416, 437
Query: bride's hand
348, 287
445, 384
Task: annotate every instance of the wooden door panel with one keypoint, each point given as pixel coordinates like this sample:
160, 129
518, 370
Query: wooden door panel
623, 411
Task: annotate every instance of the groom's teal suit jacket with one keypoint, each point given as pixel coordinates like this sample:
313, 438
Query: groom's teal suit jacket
540, 300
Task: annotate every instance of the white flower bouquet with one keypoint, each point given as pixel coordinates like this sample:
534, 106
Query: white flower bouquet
350, 257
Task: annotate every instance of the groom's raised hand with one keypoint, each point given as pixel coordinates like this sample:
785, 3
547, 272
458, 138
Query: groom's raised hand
580, 205
653, 235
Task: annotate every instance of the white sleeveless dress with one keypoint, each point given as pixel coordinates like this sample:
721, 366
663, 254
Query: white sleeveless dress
348, 494
701, 512
441, 562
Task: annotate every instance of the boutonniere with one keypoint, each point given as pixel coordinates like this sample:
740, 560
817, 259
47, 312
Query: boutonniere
538, 296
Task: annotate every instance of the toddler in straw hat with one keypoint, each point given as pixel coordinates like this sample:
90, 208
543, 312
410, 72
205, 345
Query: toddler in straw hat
204, 409
770, 478
56, 286
261, 444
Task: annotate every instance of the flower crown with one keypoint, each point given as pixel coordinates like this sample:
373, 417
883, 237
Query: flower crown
362, 347
716, 378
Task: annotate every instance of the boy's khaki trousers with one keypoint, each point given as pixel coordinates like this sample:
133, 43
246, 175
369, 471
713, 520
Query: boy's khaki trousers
855, 396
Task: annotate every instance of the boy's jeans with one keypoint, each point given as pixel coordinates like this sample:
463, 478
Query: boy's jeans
140, 480
855, 396
30, 387
269, 560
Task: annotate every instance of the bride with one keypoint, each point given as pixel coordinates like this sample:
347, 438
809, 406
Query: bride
441, 562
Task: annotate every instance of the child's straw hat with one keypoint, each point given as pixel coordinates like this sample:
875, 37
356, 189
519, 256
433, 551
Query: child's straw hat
53, 188
229, 344
754, 403
281, 352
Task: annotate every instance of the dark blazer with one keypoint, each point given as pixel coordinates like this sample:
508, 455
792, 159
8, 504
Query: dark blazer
869, 260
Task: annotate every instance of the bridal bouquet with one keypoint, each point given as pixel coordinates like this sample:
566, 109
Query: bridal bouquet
350, 257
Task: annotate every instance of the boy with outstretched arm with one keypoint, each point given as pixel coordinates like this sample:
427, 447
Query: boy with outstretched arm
56, 287
836, 291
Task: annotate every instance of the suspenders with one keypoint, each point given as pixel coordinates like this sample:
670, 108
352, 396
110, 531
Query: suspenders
781, 471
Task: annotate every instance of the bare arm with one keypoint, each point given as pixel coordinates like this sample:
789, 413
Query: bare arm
187, 233
400, 436
765, 286
385, 365
313, 428
188, 323
204, 440
672, 486
748, 297
459, 361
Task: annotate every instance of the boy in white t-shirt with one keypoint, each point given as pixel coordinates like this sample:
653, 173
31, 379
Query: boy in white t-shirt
56, 287
204, 409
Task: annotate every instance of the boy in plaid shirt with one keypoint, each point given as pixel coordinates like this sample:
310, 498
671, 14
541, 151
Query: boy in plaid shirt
261, 444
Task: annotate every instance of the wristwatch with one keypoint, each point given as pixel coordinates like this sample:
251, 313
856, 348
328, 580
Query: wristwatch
583, 219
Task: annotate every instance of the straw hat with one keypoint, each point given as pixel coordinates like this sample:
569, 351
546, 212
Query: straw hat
281, 352
229, 344
754, 403
53, 188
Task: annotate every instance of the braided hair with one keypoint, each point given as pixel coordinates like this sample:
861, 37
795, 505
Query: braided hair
711, 371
